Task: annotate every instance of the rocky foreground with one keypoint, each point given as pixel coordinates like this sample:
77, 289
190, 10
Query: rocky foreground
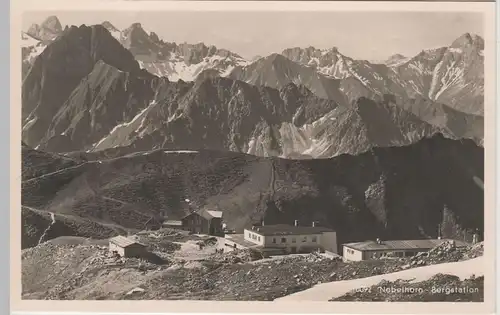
179, 268
439, 288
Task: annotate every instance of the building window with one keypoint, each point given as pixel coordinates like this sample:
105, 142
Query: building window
274, 240
314, 239
258, 238
283, 240
294, 240
304, 239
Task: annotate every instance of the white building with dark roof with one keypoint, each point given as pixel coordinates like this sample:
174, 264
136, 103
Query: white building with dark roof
285, 238
399, 248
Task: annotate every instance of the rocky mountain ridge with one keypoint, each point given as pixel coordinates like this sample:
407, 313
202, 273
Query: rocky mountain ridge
361, 197
108, 101
449, 75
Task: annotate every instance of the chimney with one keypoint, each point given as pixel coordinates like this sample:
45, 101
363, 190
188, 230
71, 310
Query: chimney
296, 222
379, 241
262, 223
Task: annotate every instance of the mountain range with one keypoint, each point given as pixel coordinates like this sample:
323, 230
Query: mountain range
452, 75
303, 103
120, 128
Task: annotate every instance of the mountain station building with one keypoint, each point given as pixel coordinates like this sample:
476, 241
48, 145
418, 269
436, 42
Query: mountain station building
397, 248
284, 239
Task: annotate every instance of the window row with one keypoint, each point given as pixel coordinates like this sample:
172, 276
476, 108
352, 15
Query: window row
284, 240
254, 237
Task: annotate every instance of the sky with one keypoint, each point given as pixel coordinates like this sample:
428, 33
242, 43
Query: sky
360, 35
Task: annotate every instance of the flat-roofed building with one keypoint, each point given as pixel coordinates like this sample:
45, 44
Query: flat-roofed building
399, 248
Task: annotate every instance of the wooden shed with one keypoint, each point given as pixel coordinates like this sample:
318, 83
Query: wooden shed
204, 222
127, 247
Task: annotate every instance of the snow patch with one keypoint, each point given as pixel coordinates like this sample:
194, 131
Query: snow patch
124, 125
181, 151
176, 68
29, 123
327, 291
455, 50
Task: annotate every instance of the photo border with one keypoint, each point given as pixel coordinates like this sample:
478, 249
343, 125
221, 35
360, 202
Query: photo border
125, 306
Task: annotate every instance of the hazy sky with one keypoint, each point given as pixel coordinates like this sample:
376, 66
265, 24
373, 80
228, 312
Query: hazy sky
361, 35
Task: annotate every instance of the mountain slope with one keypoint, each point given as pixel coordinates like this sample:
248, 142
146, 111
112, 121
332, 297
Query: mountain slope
360, 74
36, 38
47, 31
451, 75
456, 123
367, 124
276, 71
104, 100
59, 69
214, 113
37, 163
174, 61
119, 106
397, 192
99, 103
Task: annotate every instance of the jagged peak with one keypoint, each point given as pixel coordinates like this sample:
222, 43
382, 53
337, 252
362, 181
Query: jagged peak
275, 57
52, 23
154, 36
396, 57
83, 27
48, 29
136, 25
109, 26
312, 50
255, 58
467, 40
135, 28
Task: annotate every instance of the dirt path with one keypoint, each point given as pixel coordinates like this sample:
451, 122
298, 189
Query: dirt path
191, 251
326, 291
44, 234
54, 173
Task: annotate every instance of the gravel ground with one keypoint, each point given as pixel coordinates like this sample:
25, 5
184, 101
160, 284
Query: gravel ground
181, 270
